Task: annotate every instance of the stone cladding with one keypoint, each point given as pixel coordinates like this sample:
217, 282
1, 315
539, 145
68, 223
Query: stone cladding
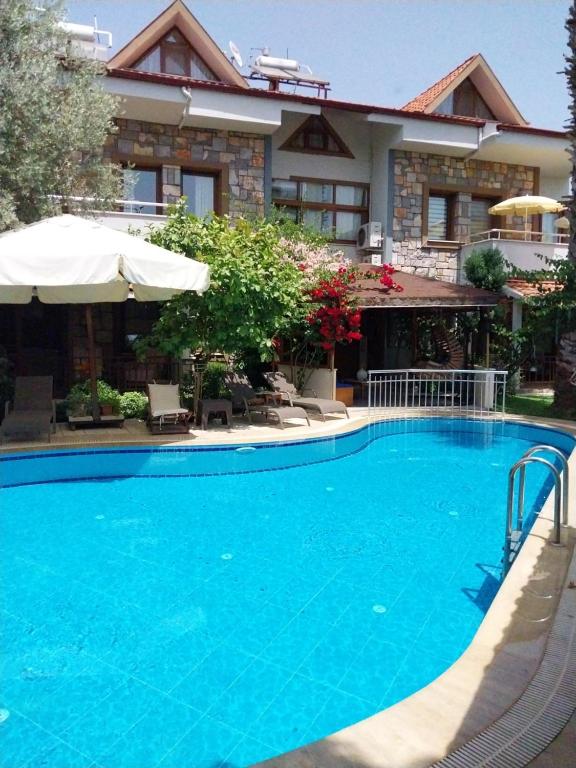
238, 156
415, 173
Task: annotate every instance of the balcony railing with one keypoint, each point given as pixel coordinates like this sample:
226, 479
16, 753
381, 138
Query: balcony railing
555, 238
122, 214
523, 250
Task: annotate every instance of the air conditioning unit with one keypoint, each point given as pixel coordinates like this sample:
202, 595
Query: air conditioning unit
370, 235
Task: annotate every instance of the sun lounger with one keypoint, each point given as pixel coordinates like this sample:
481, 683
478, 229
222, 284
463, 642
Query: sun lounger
166, 413
33, 415
320, 405
266, 403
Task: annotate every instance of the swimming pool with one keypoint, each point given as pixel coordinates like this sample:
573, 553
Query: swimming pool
216, 606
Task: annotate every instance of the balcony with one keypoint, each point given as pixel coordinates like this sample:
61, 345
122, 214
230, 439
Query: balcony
124, 215
133, 215
523, 250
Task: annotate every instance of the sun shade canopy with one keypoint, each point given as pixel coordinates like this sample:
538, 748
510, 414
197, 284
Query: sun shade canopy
71, 260
526, 205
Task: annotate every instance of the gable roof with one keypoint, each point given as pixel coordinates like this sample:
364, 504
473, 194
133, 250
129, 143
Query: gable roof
319, 125
481, 75
177, 15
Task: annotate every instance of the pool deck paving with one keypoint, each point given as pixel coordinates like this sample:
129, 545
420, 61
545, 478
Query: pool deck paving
535, 607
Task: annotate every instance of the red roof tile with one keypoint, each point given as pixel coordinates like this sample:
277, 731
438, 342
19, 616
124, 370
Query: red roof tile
426, 98
529, 290
178, 81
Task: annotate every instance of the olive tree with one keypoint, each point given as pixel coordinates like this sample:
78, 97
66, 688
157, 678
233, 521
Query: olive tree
54, 117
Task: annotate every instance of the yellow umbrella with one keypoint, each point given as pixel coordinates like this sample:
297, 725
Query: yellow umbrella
526, 205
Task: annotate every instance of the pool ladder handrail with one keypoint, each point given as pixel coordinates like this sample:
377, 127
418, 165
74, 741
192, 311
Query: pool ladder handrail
561, 488
565, 477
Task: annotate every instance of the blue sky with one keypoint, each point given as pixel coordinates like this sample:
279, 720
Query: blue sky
383, 52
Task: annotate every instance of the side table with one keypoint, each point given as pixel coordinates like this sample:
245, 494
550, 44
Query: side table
206, 408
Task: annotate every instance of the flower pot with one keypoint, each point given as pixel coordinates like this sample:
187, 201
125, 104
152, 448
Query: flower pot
106, 410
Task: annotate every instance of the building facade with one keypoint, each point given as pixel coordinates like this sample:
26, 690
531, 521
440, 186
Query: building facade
190, 124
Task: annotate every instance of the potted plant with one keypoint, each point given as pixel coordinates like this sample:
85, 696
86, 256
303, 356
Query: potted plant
78, 400
109, 399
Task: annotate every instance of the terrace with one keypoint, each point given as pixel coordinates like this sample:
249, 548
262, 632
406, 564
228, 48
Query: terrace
525, 250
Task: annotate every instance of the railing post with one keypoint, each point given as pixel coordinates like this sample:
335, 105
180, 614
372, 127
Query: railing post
406, 390
565, 475
521, 464
435, 390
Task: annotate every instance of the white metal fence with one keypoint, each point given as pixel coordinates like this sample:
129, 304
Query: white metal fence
460, 393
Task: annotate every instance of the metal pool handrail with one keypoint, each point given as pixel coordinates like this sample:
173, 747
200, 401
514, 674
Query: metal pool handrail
509, 529
565, 477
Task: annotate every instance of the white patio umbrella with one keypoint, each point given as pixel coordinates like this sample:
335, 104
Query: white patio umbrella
70, 260
526, 205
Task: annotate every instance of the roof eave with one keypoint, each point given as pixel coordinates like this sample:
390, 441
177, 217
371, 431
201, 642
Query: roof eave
397, 303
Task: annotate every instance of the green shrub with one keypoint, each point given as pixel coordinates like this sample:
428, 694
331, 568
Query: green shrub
134, 405
213, 381
486, 268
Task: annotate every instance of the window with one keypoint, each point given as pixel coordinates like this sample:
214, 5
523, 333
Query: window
337, 210
199, 190
440, 216
141, 186
480, 219
317, 136
465, 100
174, 56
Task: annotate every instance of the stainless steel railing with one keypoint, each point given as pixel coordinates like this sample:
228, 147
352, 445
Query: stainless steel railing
514, 533
472, 393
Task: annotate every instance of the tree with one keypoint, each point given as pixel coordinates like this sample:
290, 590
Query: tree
485, 268
54, 118
254, 295
267, 287
562, 304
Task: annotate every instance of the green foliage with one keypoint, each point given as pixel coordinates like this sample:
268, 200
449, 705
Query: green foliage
509, 349
555, 306
254, 295
134, 405
213, 381
292, 230
486, 268
79, 398
54, 120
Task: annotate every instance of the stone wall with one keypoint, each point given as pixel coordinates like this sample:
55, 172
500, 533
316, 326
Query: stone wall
415, 173
237, 157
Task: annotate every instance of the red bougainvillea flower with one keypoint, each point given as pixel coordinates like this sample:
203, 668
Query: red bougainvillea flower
335, 317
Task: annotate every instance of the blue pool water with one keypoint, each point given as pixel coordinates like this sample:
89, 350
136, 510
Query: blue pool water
195, 608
